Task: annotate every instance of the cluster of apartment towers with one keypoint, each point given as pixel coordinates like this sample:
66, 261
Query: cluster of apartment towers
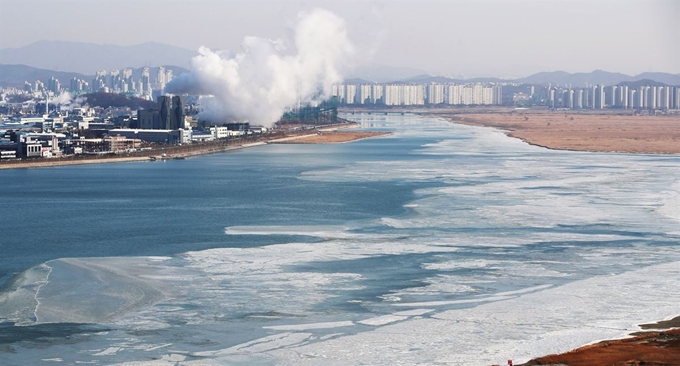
118, 81
418, 94
615, 96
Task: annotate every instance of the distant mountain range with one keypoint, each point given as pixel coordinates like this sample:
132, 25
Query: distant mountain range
376, 73
562, 78
16, 75
69, 59
597, 77
87, 58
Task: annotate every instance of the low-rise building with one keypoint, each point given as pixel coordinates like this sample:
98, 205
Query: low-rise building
157, 136
221, 132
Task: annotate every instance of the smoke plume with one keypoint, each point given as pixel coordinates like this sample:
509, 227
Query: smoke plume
263, 80
63, 98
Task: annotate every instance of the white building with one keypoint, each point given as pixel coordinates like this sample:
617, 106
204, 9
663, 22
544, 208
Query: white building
351, 96
435, 93
365, 94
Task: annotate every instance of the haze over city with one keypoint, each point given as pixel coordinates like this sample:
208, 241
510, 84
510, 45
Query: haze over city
462, 38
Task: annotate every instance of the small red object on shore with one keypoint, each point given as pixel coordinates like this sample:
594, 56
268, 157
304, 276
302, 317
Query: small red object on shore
509, 362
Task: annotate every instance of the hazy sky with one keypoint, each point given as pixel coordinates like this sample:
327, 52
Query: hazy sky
474, 38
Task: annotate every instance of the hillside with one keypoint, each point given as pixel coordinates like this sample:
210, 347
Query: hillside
106, 100
596, 77
87, 58
16, 75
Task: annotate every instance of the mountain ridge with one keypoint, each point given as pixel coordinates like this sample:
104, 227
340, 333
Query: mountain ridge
561, 78
87, 58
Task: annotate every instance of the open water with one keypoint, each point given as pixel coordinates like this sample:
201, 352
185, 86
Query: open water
441, 243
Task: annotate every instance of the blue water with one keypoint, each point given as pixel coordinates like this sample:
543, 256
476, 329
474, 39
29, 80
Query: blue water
137, 209
142, 261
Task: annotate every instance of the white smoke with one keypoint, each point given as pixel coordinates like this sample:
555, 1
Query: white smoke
63, 98
259, 83
67, 103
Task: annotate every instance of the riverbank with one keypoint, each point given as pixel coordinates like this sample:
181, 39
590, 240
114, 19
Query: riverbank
333, 134
583, 131
648, 348
331, 137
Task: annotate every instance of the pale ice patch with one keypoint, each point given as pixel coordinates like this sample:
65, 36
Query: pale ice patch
382, 320
264, 344
310, 326
457, 264
670, 206
108, 351
308, 230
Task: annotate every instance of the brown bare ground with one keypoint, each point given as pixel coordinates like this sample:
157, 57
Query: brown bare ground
654, 348
585, 132
664, 324
333, 137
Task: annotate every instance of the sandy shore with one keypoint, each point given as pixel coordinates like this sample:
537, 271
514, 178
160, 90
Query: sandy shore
584, 132
331, 137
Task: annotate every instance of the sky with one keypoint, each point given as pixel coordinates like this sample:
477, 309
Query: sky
501, 38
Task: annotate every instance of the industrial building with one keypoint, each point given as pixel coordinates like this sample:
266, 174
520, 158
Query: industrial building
178, 136
168, 116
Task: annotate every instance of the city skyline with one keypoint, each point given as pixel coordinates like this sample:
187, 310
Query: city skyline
512, 38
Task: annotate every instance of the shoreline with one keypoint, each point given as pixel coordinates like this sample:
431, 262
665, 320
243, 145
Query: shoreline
627, 134
324, 135
330, 137
658, 347
655, 343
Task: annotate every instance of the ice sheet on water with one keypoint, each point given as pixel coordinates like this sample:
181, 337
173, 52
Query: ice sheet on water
536, 250
18, 301
670, 206
548, 321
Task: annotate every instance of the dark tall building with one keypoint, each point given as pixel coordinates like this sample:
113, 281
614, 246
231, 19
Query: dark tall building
148, 119
171, 112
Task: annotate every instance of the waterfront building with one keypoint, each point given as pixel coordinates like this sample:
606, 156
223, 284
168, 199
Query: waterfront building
578, 99
158, 136
632, 98
365, 94
435, 93
498, 94
454, 95
393, 94
651, 97
351, 94
339, 91
171, 112
378, 91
